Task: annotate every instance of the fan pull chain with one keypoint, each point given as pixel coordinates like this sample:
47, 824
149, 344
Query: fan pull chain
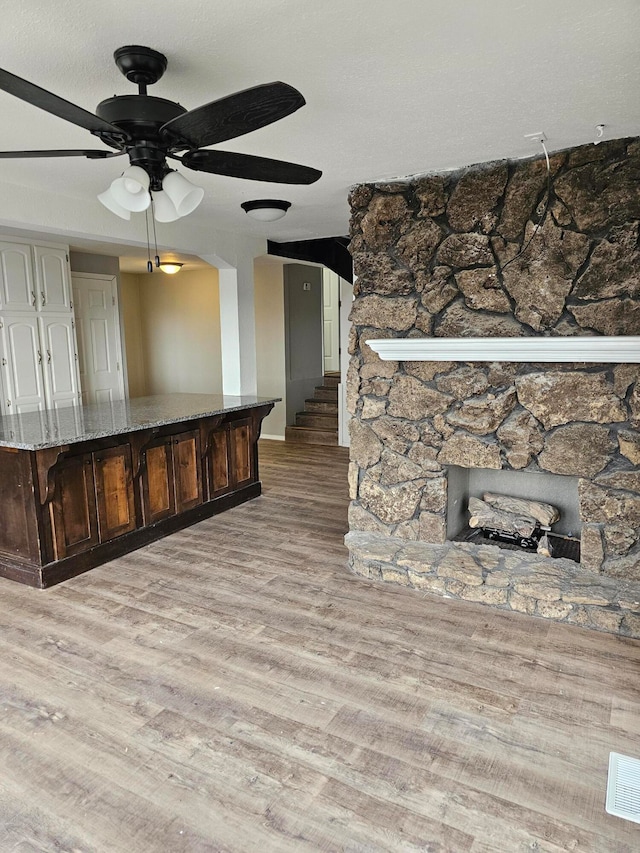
155, 238
146, 222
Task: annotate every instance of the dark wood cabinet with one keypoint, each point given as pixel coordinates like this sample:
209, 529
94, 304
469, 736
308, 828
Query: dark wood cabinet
187, 470
218, 463
74, 521
93, 500
241, 447
230, 459
171, 475
114, 492
18, 520
158, 493
69, 507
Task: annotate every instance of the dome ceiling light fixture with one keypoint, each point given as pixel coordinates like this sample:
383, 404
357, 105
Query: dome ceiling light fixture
149, 130
170, 267
266, 209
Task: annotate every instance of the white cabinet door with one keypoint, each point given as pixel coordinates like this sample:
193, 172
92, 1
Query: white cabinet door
53, 280
57, 334
21, 365
17, 290
99, 347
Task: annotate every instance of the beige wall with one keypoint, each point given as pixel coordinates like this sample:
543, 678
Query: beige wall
172, 332
132, 334
269, 311
172, 335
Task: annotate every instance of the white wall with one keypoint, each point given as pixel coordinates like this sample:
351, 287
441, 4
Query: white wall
269, 318
172, 332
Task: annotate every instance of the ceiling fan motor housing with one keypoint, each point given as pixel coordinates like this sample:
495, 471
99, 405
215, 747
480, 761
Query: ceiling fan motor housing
141, 117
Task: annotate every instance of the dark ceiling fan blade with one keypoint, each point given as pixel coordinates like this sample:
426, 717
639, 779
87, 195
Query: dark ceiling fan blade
55, 105
89, 154
250, 167
236, 114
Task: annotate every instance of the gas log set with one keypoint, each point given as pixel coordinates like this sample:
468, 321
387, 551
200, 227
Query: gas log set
518, 522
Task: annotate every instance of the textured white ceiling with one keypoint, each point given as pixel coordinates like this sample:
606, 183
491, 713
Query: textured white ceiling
392, 88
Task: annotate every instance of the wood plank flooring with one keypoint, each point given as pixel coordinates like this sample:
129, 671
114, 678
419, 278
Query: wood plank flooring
234, 688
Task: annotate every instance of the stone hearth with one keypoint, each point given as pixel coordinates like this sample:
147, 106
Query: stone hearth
431, 258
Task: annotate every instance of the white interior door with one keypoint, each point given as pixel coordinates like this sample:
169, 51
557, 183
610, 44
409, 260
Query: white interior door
331, 320
99, 344
22, 358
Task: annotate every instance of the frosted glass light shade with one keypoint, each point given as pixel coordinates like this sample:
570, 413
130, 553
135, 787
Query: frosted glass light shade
184, 195
135, 179
266, 209
170, 267
111, 204
163, 208
131, 190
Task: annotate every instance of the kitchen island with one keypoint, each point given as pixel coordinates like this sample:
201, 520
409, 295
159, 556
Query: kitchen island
84, 484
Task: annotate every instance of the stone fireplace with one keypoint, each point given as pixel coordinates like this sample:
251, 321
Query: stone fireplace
439, 257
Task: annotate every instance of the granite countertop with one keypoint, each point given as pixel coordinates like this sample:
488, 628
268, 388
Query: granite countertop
73, 424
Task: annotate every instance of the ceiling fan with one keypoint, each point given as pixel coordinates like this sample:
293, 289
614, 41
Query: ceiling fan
151, 129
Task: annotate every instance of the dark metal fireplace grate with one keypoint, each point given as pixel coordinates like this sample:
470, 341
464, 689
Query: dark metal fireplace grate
562, 546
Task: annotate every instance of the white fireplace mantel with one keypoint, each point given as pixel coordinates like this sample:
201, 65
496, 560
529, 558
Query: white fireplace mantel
619, 350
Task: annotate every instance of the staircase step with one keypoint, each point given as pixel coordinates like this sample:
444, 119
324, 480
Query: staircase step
323, 392
331, 379
321, 406
319, 420
306, 435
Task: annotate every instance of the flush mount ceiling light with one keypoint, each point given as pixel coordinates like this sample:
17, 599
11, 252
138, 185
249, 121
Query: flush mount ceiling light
266, 209
149, 130
170, 267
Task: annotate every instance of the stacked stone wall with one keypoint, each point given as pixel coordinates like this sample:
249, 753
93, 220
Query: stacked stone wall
499, 250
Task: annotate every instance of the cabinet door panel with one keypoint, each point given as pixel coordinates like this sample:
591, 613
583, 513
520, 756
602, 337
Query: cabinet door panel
17, 291
241, 452
53, 279
114, 492
158, 494
73, 508
58, 338
219, 467
18, 524
186, 468
22, 364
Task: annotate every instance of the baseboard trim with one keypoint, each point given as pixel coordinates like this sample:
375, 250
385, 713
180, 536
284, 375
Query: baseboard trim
273, 437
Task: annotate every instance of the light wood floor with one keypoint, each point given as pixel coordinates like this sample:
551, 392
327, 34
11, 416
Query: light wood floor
234, 688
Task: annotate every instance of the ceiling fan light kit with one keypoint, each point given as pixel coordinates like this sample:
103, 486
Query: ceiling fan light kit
111, 204
150, 130
130, 190
163, 208
266, 209
184, 195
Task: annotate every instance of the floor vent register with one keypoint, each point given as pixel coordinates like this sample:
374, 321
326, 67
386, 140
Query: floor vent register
623, 787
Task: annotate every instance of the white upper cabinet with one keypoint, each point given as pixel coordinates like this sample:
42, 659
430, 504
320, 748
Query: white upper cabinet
17, 288
38, 352
53, 280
